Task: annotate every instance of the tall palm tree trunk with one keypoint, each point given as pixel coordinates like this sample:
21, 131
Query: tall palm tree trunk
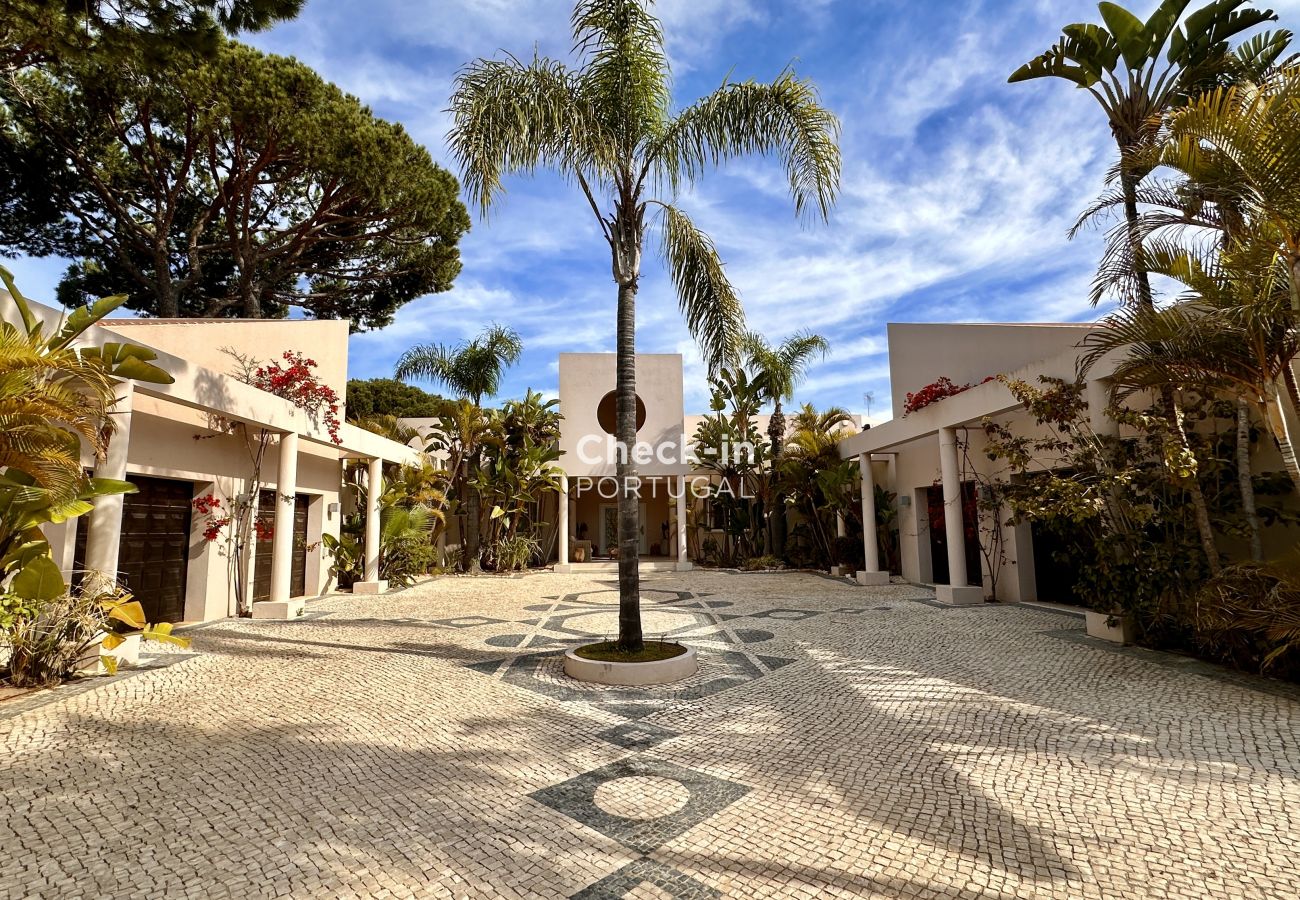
1281, 428
1244, 480
473, 519
776, 515
629, 525
1129, 182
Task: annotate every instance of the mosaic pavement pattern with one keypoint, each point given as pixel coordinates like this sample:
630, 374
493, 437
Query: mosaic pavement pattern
837, 742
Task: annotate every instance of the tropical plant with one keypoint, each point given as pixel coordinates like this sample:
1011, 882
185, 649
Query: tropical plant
1250, 615
472, 369
62, 635
817, 482
607, 125
779, 370
1119, 63
388, 426
405, 548
516, 551
728, 444
347, 558
53, 396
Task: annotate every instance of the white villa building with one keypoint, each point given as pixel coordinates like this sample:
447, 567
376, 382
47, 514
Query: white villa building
173, 442
918, 457
169, 442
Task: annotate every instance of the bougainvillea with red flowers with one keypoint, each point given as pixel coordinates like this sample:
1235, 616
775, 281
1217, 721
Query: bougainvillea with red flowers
207, 504
210, 505
212, 530
936, 391
296, 382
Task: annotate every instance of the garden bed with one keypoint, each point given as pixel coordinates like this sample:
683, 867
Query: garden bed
651, 651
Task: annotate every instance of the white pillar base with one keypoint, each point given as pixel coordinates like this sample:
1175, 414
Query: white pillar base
958, 596
370, 587
280, 609
684, 566
563, 568
873, 579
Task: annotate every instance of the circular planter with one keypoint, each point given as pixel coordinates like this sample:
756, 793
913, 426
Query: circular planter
631, 674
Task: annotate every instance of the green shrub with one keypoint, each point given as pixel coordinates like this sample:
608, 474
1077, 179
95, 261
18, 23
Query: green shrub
710, 553
847, 552
758, 563
347, 563
514, 554
47, 646
404, 561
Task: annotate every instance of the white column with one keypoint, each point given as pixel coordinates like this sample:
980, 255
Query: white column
870, 540
104, 527
374, 509
562, 564
840, 529
286, 490
683, 563
1098, 397
957, 591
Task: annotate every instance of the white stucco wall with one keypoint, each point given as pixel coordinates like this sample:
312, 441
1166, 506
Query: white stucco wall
585, 378
919, 354
201, 341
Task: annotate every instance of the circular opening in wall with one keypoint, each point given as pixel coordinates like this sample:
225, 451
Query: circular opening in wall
606, 413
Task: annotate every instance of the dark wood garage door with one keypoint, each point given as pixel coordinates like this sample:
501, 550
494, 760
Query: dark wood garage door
154, 552
262, 563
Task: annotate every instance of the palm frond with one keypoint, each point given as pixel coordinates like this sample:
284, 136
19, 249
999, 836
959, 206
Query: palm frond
514, 117
784, 119
625, 80
709, 303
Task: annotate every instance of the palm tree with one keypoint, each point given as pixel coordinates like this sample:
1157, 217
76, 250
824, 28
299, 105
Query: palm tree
1252, 135
779, 370
607, 126
1236, 152
472, 369
1137, 72
812, 471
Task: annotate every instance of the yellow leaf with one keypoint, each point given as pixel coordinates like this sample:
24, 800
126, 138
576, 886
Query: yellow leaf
131, 614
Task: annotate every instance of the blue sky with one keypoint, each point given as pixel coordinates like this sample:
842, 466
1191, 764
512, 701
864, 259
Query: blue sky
956, 196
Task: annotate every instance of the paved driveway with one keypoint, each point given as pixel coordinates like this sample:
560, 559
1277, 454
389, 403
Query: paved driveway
838, 742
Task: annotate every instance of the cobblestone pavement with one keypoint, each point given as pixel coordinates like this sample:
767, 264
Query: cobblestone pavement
838, 741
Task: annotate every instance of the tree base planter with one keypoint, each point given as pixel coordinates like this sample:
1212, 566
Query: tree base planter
958, 596
631, 674
1097, 625
873, 579
841, 571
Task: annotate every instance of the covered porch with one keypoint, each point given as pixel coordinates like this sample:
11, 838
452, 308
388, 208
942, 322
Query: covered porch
588, 522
